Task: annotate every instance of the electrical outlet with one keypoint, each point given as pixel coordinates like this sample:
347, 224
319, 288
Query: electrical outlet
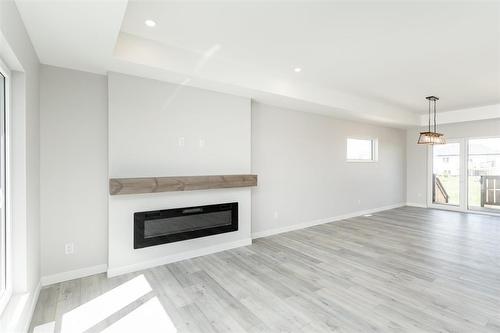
359, 201
202, 143
69, 248
275, 215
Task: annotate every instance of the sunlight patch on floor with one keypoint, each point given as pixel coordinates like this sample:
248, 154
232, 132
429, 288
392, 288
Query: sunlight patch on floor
45, 328
91, 313
149, 317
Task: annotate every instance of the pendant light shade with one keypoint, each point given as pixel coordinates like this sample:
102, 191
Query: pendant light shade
431, 137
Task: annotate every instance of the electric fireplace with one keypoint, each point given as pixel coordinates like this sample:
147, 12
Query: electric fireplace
178, 224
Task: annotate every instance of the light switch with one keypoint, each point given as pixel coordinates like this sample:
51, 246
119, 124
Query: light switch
69, 248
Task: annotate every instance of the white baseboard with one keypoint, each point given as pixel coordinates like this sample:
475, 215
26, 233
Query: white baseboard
79, 273
16, 317
177, 257
307, 224
32, 306
75, 274
413, 204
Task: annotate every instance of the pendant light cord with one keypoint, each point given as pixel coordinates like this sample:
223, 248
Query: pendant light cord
435, 124
429, 115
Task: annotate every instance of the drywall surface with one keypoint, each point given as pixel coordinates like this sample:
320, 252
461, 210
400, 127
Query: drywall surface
74, 132
303, 173
163, 129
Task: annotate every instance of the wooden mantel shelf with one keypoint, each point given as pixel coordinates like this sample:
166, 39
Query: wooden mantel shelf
118, 186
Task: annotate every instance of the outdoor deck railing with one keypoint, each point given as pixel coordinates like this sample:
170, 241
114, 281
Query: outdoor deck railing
490, 190
439, 194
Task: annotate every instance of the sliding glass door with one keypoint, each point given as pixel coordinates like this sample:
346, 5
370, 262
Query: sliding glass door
484, 174
465, 175
446, 174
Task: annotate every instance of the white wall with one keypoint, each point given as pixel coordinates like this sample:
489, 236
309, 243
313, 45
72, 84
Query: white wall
146, 120
74, 117
20, 56
416, 168
417, 154
299, 157
303, 174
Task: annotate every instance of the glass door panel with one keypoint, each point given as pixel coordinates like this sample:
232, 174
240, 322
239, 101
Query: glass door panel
446, 174
484, 174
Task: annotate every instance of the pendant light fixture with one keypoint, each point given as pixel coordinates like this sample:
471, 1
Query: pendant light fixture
431, 137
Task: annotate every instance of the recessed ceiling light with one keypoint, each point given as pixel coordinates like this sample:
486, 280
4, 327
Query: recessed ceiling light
150, 23
297, 69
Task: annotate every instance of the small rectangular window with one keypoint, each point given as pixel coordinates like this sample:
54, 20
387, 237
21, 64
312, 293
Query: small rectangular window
361, 150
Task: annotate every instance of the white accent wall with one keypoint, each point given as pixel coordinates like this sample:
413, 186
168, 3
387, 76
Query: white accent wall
163, 129
74, 132
303, 173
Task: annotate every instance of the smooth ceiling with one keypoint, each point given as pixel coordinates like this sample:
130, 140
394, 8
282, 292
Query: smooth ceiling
393, 52
374, 60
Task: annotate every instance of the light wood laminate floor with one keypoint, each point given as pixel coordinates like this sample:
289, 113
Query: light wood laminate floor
402, 270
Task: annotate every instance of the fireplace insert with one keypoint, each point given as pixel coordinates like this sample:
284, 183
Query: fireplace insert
173, 225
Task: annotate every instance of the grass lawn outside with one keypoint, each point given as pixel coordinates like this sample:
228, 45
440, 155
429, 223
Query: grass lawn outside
452, 186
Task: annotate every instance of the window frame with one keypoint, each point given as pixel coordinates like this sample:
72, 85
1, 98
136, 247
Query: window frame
467, 206
7, 293
461, 153
374, 150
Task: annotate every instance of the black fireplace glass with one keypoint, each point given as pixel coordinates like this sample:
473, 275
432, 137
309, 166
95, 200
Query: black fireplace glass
171, 225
